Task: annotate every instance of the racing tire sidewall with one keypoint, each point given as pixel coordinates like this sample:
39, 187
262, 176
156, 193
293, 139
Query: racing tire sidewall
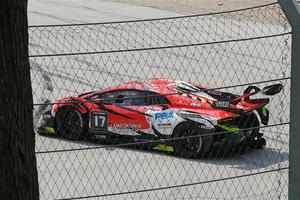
70, 124
187, 129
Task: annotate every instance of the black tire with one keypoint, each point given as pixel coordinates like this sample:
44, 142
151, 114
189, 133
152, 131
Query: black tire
258, 143
191, 147
254, 139
70, 124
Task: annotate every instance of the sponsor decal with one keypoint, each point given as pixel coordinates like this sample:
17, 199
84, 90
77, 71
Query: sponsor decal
196, 104
100, 136
214, 92
221, 104
47, 116
164, 125
127, 126
164, 115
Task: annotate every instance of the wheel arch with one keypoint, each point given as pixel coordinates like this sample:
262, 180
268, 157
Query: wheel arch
62, 108
208, 139
192, 122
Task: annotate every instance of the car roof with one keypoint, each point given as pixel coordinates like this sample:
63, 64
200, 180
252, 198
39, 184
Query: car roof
161, 86
157, 85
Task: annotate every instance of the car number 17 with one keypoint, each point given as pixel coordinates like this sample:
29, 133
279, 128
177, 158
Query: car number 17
98, 121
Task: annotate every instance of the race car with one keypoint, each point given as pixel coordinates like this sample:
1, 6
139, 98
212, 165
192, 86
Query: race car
189, 119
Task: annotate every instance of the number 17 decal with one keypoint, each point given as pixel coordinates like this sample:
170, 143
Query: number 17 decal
102, 120
98, 121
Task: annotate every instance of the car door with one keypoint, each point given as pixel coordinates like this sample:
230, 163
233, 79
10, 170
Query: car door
126, 111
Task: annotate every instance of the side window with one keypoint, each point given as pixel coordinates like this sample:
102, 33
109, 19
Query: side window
126, 97
134, 97
163, 100
95, 96
156, 99
112, 97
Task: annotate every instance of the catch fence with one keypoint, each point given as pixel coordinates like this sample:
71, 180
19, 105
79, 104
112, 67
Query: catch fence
226, 51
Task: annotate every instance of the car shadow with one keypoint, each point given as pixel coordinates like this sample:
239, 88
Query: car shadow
251, 159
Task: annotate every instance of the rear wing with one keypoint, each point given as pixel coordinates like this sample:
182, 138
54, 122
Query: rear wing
250, 104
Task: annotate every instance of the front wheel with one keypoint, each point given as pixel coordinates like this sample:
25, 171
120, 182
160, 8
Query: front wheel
190, 146
70, 124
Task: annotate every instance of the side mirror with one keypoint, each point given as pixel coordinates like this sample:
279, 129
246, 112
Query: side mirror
272, 89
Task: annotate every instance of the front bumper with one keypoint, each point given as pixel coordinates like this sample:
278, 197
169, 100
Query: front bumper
45, 123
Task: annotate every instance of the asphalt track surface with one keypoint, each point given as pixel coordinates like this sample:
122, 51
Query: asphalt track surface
106, 171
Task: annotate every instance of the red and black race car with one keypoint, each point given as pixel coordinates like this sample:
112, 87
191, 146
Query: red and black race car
163, 109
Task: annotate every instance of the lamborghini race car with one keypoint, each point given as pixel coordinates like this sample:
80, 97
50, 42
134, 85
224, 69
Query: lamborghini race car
163, 109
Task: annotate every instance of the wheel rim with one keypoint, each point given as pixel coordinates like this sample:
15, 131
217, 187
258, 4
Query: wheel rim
69, 123
192, 144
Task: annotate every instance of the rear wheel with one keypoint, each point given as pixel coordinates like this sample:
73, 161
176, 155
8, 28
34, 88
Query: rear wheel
189, 146
254, 138
70, 124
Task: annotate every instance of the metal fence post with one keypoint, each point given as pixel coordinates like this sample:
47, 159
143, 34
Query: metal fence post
292, 12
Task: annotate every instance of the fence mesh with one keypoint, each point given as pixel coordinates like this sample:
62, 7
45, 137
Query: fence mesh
226, 51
